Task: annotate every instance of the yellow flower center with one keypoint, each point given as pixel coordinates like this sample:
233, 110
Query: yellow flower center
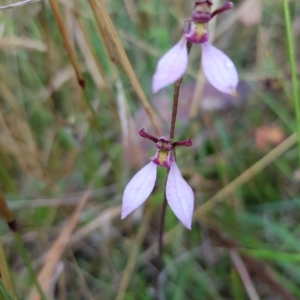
162, 156
200, 29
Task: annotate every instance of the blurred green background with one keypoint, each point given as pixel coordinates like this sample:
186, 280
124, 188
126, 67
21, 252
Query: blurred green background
60, 145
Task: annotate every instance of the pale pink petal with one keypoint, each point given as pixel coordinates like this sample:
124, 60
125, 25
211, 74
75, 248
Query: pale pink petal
219, 70
180, 196
171, 66
138, 189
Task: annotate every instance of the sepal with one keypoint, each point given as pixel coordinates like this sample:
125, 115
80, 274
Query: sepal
138, 189
171, 66
219, 70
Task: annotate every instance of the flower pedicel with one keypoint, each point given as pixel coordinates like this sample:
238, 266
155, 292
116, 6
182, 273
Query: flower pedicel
218, 69
179, 194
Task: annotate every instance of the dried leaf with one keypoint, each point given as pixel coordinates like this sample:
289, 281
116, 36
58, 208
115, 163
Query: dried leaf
23, 43
55, 253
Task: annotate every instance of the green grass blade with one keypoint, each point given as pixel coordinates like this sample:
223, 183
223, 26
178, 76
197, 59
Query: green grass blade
292, 60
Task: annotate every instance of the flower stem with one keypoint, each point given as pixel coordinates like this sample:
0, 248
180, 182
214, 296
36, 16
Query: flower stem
160, 241
162, 223
291, 53
174, 107
176, 91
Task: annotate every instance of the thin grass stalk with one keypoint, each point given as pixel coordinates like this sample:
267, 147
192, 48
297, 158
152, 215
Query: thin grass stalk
48, 55
292, 61
26, 260
244, 274
59, 21
4, 294
103, 141
5, 272
103, 33
88, 53
106, 87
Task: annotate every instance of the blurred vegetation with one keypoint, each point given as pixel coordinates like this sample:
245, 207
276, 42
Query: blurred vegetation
58, 143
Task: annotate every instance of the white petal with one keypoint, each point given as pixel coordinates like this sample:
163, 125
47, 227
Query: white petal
219, 70
171, 66
138, 189
180, 196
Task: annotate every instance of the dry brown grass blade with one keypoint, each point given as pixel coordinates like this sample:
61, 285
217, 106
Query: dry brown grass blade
246, 176
244, 274
4, 273
88, 54
93, 64
133, 255
103, 33
16, 135
8, 216
104, 18
55, 253
58, 18
23, 43
260, 269
104, 218
131, 10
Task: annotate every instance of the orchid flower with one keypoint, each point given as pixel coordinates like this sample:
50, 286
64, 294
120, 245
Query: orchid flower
179, 194
218, 69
